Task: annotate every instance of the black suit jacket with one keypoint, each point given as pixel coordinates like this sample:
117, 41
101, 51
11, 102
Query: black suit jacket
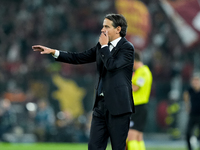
115, 68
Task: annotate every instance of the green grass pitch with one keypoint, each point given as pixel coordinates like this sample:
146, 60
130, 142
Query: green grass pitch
64, 146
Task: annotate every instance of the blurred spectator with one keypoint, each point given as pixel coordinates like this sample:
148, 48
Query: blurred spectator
7, 118
192, 103
71, 129
65, 127
44, 121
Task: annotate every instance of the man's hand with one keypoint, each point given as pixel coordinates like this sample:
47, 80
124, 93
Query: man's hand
103, 39
43, 49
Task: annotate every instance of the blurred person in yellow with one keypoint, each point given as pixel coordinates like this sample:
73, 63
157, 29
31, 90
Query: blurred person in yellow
191, 97
141, 85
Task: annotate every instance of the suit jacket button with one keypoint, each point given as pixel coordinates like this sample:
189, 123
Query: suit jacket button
102, 55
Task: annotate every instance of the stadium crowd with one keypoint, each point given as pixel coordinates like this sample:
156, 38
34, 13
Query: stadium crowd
72, 25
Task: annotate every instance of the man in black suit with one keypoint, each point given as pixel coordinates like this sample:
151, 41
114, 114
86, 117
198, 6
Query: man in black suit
114, 57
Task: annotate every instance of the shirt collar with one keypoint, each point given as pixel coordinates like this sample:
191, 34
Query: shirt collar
114, 42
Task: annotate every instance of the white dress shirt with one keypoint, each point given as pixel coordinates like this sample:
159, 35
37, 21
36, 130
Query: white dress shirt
57, 53
112, 44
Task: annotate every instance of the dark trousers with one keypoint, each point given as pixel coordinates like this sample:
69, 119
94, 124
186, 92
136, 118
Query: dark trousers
105, 125
193, 121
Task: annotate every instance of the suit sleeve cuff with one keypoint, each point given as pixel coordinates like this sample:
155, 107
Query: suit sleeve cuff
103, 46
57, 53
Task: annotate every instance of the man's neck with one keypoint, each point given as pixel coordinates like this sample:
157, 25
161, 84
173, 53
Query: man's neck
139, 64
197, 89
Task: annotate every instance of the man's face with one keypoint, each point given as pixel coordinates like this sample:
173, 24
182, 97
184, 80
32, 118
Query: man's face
113, 33
195, 82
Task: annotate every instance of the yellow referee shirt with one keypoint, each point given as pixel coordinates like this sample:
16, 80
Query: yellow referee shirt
142, 78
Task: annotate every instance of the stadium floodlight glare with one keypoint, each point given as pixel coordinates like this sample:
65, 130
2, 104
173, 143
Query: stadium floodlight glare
31, 106
61, 115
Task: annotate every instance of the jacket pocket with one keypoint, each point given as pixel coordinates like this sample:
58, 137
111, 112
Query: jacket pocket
123, 94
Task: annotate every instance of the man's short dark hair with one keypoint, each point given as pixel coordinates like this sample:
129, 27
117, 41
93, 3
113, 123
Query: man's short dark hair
137, 56
118, 20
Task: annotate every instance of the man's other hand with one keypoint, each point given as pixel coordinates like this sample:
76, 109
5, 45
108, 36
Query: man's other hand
103, 39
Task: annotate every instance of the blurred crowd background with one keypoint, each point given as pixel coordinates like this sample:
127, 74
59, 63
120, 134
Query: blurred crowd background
45, 101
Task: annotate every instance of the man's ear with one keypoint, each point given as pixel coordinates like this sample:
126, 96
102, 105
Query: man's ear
118, 29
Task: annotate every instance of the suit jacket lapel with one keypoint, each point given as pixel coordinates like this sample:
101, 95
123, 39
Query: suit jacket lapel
119, 44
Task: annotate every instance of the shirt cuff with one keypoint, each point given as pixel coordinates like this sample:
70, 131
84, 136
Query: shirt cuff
57, 53
103, 46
